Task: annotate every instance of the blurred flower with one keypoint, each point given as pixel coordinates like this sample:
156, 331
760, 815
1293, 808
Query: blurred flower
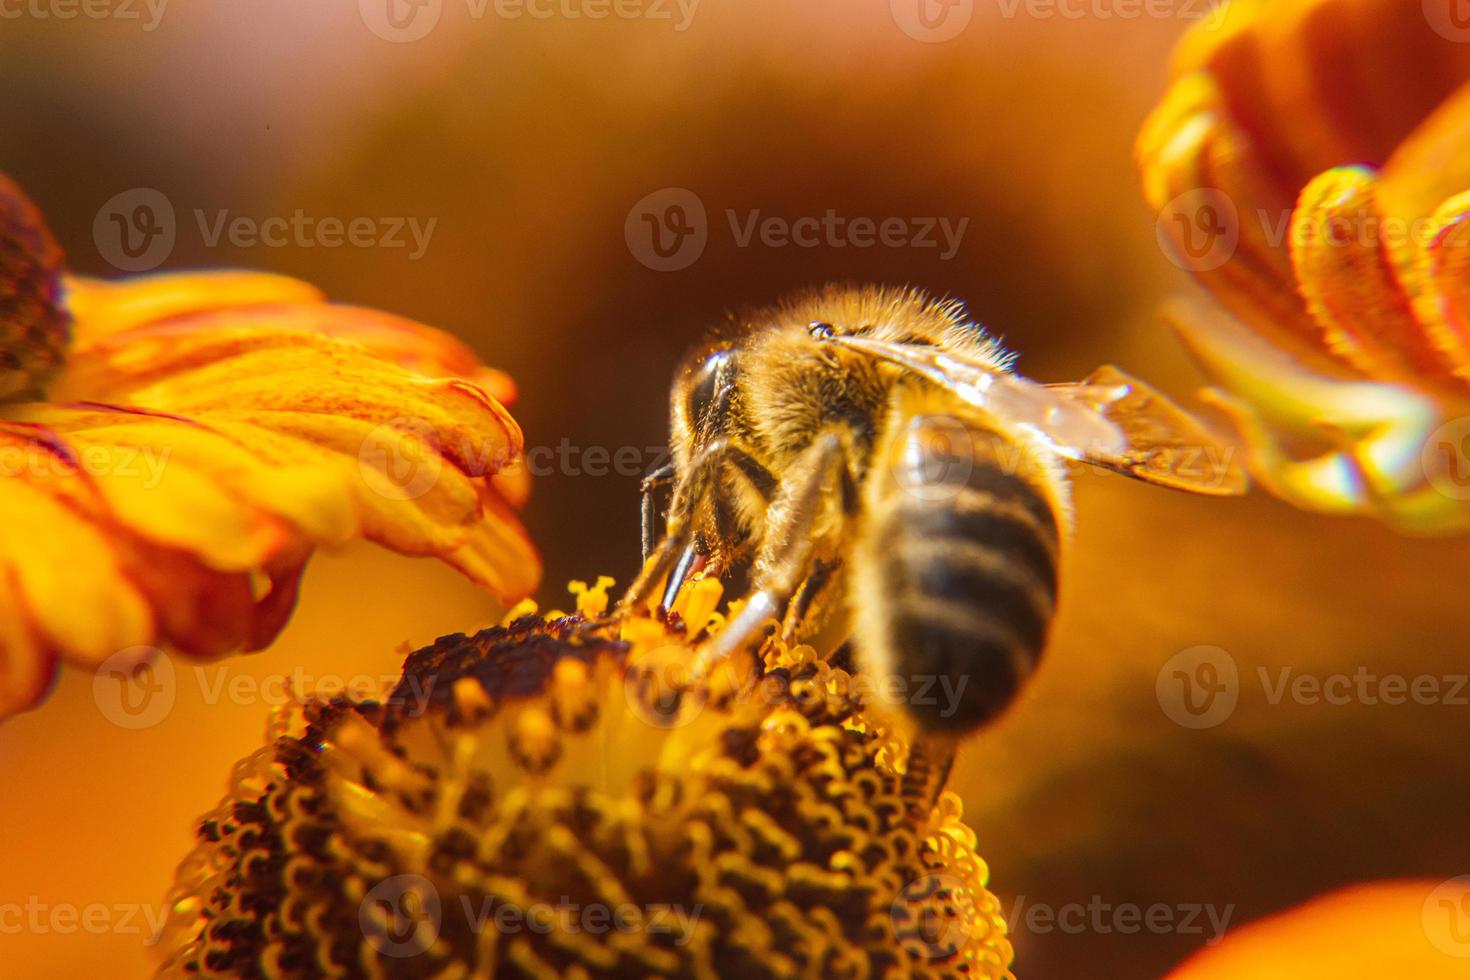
175, 446
1310, 166
1415, 928
555, 797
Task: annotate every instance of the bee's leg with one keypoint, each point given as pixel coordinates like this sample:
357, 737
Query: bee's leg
680, 574
679, 539
931, 757
655, 480
786, 551
812, 591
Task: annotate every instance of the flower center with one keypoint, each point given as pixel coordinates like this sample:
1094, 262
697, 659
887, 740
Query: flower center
34, 326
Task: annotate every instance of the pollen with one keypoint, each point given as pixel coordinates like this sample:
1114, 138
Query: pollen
561, 796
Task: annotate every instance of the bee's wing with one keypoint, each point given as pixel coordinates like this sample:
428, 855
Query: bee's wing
1072, 425
1164, 444
1110, 419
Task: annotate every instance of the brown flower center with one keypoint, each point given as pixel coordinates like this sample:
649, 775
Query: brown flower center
34, 326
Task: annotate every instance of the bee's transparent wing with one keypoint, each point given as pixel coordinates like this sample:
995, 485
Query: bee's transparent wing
1110, 419
1163, 443
1072, 425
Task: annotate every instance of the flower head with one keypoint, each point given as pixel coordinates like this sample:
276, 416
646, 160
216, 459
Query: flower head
170, 461
1309, 167
554, 797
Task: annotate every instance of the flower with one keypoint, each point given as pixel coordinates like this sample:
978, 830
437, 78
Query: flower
554, 796
173, 447
1399, 928
1309, 165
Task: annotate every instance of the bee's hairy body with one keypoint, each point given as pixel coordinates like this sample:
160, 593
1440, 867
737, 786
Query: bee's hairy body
944, 524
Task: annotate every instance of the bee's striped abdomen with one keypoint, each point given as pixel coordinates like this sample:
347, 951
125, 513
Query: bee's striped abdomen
957, 570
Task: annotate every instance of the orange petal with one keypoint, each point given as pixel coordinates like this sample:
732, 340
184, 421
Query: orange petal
26, 665
1325, 83
216, 428
1448, 258
1339, 241
1418, 929
1225, 215
104, 307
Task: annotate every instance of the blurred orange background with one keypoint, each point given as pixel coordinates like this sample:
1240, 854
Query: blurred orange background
528, 141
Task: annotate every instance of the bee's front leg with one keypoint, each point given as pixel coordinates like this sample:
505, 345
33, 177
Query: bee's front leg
785, 558
656, 480
677, 553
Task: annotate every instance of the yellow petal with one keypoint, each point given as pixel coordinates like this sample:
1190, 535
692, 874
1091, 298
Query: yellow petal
67, 577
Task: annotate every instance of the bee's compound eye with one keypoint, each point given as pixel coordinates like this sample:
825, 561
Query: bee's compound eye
710, 382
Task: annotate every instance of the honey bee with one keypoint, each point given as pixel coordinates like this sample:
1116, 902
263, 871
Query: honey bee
871, 452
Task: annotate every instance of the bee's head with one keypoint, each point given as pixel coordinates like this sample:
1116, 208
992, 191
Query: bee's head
824, 330
701, 392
